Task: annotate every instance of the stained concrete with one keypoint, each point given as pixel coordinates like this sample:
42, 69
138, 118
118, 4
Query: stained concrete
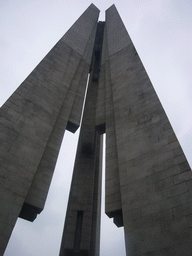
153, 172
148, 179
81, 234
33, 121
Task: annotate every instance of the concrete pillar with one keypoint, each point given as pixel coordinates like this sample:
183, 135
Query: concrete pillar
154, 174
33, 121
81, 234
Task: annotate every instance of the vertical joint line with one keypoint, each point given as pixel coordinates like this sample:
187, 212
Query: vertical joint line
97, 51
78, 231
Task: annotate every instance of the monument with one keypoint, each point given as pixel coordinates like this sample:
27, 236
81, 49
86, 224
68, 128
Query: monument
148, 179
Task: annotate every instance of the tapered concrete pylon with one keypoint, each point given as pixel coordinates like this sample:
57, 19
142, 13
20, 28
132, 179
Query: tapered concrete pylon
34, 119
81, 234
148, 179
147, 175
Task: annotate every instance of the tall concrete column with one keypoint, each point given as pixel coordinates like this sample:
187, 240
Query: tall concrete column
154, 176
33, 121
81, 234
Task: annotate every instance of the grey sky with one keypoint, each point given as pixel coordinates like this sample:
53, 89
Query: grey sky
161, 31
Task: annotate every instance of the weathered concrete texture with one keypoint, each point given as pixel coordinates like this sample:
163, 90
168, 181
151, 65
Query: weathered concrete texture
155, 178
85, 188
112, 184
148, 179
81, 234
33, 121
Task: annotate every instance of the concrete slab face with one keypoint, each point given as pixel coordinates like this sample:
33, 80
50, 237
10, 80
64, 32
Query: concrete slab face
81, 234
34, 118
146, 149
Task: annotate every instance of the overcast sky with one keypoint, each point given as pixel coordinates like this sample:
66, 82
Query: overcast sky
161, 31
